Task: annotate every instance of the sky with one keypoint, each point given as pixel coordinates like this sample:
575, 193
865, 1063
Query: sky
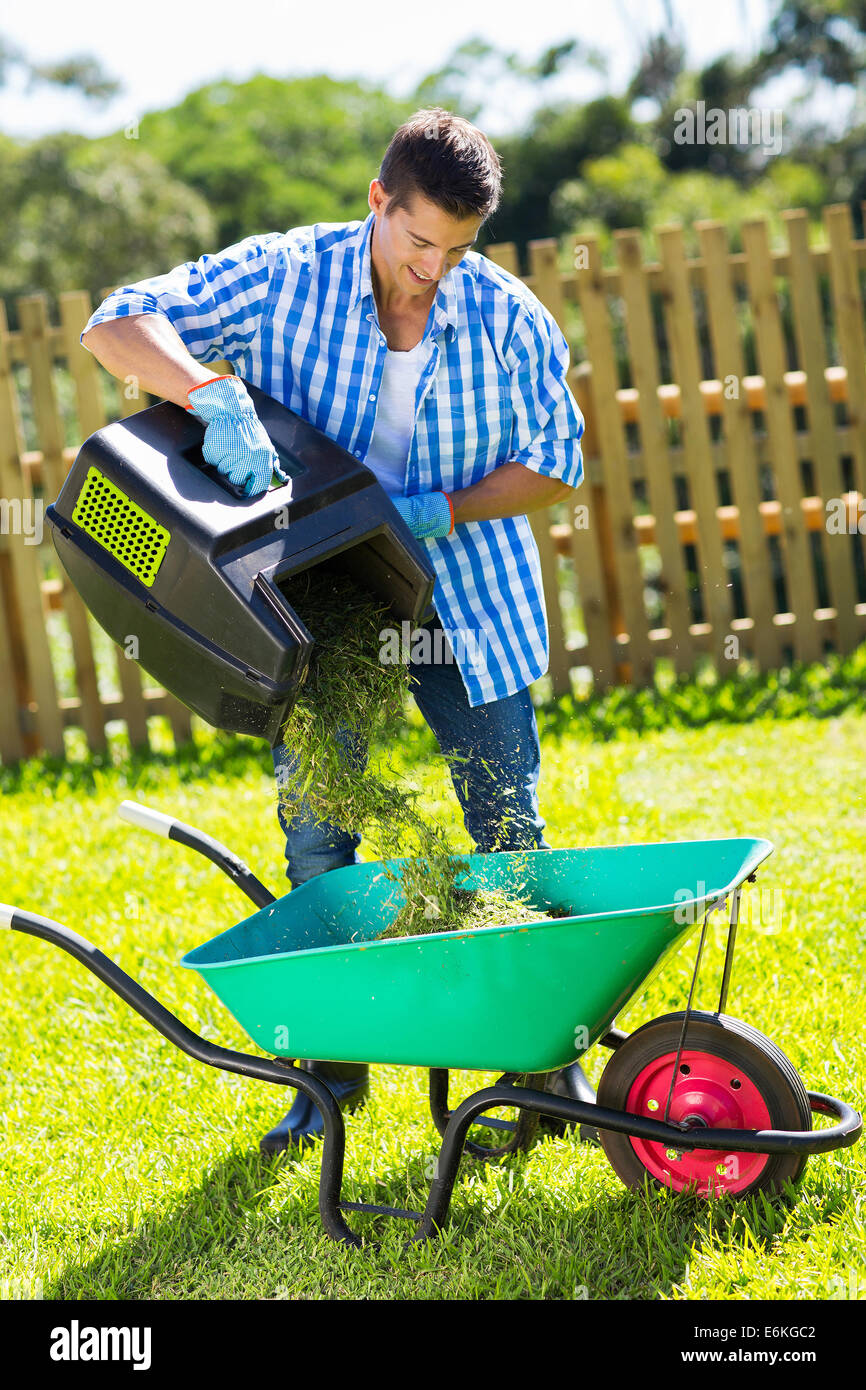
166, 48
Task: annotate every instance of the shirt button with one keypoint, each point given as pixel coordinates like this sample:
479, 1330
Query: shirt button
372, 395
357, 453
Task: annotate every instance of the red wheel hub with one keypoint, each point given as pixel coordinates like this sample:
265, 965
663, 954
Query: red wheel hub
708, 1093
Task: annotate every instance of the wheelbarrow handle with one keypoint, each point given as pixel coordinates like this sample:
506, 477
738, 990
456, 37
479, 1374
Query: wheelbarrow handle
146, 818
275, 1069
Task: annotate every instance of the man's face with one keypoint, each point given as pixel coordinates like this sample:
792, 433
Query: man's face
418, 247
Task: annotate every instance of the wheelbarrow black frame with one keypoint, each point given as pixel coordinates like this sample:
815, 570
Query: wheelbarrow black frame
453, 1126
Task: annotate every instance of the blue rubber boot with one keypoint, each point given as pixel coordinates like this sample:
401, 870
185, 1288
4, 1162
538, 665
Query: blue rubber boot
350, 1084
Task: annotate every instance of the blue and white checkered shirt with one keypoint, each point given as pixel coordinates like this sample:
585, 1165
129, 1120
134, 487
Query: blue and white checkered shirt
295, 315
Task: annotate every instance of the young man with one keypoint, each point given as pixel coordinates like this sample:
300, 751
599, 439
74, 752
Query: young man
447, 377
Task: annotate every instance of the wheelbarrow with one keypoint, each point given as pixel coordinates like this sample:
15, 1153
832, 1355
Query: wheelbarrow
693, 1100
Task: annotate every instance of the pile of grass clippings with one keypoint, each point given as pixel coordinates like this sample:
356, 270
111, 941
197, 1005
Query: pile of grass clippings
348, 689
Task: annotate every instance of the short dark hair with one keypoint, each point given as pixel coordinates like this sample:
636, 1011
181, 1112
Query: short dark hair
447, 160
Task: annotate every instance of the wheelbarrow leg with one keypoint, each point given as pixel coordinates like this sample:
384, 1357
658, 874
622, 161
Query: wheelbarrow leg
349, 1084
454, 1143
571, 1082
503, 1093
522, 1130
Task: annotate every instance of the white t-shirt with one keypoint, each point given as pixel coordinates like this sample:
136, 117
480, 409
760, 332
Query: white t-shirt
395, 417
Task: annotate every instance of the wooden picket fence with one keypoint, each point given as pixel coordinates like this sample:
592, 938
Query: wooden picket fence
701, 530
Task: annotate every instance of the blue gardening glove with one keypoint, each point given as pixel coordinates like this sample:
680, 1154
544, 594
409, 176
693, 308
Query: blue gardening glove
235, 440
428, 515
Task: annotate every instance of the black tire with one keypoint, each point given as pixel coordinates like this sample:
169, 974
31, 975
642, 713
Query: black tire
759, 1059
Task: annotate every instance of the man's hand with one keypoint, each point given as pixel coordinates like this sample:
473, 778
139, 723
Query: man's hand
512, 489
428, 515
235, 440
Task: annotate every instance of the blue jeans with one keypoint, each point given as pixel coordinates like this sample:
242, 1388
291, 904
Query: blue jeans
495, 774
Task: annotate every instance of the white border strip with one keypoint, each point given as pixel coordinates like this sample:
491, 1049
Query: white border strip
6, 915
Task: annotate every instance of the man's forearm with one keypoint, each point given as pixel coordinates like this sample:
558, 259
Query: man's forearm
145, 346
510, 490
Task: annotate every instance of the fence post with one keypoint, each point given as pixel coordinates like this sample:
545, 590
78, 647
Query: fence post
697, 453
644, 362
770, 346
809, 329
22, 578
12, 742
740, 451
848, 313
619, 494
592, 551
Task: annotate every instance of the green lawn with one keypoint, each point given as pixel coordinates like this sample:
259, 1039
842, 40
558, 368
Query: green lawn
130, 1171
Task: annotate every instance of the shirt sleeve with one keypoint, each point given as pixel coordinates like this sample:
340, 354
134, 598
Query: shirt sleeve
215, 304
548, 424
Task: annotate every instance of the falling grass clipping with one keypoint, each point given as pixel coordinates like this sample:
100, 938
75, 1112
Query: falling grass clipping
347, 697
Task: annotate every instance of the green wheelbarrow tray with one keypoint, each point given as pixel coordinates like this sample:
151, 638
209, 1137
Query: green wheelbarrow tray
306, 977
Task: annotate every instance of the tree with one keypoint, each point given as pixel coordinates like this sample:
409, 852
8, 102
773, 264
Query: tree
632, 188
268, 154
662, 61
78, 216
823, 39
826, 41
553, 149
477, 67
82, 72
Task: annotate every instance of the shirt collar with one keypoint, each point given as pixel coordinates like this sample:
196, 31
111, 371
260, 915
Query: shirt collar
445, 303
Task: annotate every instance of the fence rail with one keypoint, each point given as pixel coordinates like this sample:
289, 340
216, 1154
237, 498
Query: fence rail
722, 513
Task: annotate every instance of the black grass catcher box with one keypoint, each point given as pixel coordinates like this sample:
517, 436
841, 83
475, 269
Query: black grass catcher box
163, 549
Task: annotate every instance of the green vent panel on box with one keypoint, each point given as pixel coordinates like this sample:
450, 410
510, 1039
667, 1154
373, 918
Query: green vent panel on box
120, 526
